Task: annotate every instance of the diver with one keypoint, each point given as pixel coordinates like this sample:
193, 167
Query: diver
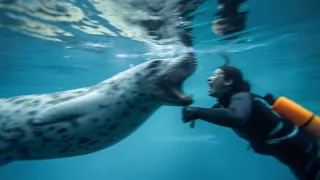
290, 141
230, 19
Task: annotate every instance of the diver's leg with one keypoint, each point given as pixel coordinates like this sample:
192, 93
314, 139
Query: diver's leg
313, 171
308, 167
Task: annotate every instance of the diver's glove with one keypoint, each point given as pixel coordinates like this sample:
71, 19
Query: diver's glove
189, 114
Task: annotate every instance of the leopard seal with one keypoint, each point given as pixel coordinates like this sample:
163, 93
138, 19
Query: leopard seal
85, 120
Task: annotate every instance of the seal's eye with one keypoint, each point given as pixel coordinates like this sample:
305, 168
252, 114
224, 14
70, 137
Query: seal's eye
153, 67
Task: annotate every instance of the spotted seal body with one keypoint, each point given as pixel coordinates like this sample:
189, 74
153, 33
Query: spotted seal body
85, 120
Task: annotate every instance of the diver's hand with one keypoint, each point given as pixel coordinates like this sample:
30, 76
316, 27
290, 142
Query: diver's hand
189, 113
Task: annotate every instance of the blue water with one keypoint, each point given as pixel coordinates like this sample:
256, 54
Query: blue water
280, 54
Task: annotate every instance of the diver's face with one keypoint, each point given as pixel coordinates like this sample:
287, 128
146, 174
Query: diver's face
217, 83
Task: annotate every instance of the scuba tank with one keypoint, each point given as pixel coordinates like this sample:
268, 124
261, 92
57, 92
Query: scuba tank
298, 115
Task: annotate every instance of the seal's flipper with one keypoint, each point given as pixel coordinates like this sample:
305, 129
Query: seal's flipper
68, 111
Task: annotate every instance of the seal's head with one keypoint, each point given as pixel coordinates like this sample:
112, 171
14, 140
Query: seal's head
164, 79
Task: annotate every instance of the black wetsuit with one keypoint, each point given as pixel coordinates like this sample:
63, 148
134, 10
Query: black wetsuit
266, 132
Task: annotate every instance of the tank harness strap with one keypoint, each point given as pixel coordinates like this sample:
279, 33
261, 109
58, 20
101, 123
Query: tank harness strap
275, 130
288, 136
308, 122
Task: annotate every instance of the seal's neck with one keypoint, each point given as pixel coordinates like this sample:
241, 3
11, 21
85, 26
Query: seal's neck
128, 92
124, 104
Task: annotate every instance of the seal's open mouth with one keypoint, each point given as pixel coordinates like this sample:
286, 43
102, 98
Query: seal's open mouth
179, 70
173, 90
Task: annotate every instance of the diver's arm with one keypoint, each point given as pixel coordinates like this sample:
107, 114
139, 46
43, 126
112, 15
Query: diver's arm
235, 115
